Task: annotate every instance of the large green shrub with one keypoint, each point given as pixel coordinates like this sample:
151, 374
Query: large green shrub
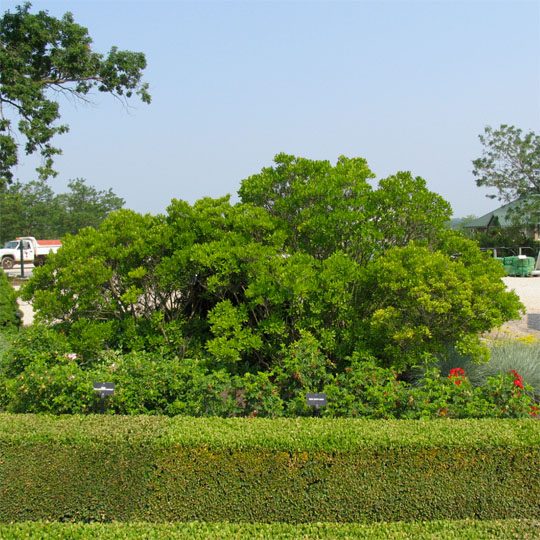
312, 249
104, 468
229, 310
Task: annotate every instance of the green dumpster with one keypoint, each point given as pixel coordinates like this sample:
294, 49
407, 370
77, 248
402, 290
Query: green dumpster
520, 266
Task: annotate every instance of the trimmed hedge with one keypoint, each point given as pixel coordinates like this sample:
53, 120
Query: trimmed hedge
511, 529
110, 468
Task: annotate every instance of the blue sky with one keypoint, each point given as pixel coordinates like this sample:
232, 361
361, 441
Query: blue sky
409, 85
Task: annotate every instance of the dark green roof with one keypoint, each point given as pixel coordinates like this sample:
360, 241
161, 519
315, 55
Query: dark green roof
501, 216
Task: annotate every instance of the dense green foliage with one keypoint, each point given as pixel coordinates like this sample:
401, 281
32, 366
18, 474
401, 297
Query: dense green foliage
48, 378
241, 286
524, 529
99, 468
323, 209
33, 209
9, 309
40, 55
315, 281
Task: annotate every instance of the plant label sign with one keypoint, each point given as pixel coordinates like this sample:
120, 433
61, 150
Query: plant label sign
104, 388
316, 400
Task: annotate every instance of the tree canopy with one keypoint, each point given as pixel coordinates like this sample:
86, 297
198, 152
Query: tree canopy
322, 208
33, 209
510, 162
40, 55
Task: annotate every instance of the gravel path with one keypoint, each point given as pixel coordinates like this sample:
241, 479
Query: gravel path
528, 290
26, 308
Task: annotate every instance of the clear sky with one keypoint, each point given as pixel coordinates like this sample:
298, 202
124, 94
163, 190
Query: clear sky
409, 85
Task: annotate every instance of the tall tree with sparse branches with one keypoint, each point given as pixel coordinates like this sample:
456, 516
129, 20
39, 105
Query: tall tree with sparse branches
41, 55
510, 162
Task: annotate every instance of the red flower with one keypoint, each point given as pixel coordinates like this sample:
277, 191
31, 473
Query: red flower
518, 379
535, 410
457, 374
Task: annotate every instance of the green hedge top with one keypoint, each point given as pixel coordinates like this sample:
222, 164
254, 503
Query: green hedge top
302, 434
449, 530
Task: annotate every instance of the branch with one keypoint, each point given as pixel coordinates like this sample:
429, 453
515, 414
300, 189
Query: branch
68, 80
19, 108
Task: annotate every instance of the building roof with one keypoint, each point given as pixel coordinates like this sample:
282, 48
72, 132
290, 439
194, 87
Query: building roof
502, 216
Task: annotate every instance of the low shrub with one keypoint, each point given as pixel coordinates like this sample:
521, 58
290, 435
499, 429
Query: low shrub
40, 372
61, 388
110, 468
6, 338
366, 390
51, 379
503, 396
36, 343
505, 355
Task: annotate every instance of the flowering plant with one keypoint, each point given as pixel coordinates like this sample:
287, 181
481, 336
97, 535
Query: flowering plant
457, 375
510, 395
518, 379
506, 395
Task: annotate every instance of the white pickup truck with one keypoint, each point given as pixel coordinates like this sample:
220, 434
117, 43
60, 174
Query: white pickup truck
34, 251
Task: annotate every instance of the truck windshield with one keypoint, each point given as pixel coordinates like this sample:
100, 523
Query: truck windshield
12, 244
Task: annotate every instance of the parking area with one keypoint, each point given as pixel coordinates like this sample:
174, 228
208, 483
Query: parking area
16, 271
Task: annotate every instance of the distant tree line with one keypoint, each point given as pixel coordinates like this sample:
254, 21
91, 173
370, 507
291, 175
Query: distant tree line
33, 209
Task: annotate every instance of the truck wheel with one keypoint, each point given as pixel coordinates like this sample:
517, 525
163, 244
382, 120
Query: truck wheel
39, 261
8, 263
